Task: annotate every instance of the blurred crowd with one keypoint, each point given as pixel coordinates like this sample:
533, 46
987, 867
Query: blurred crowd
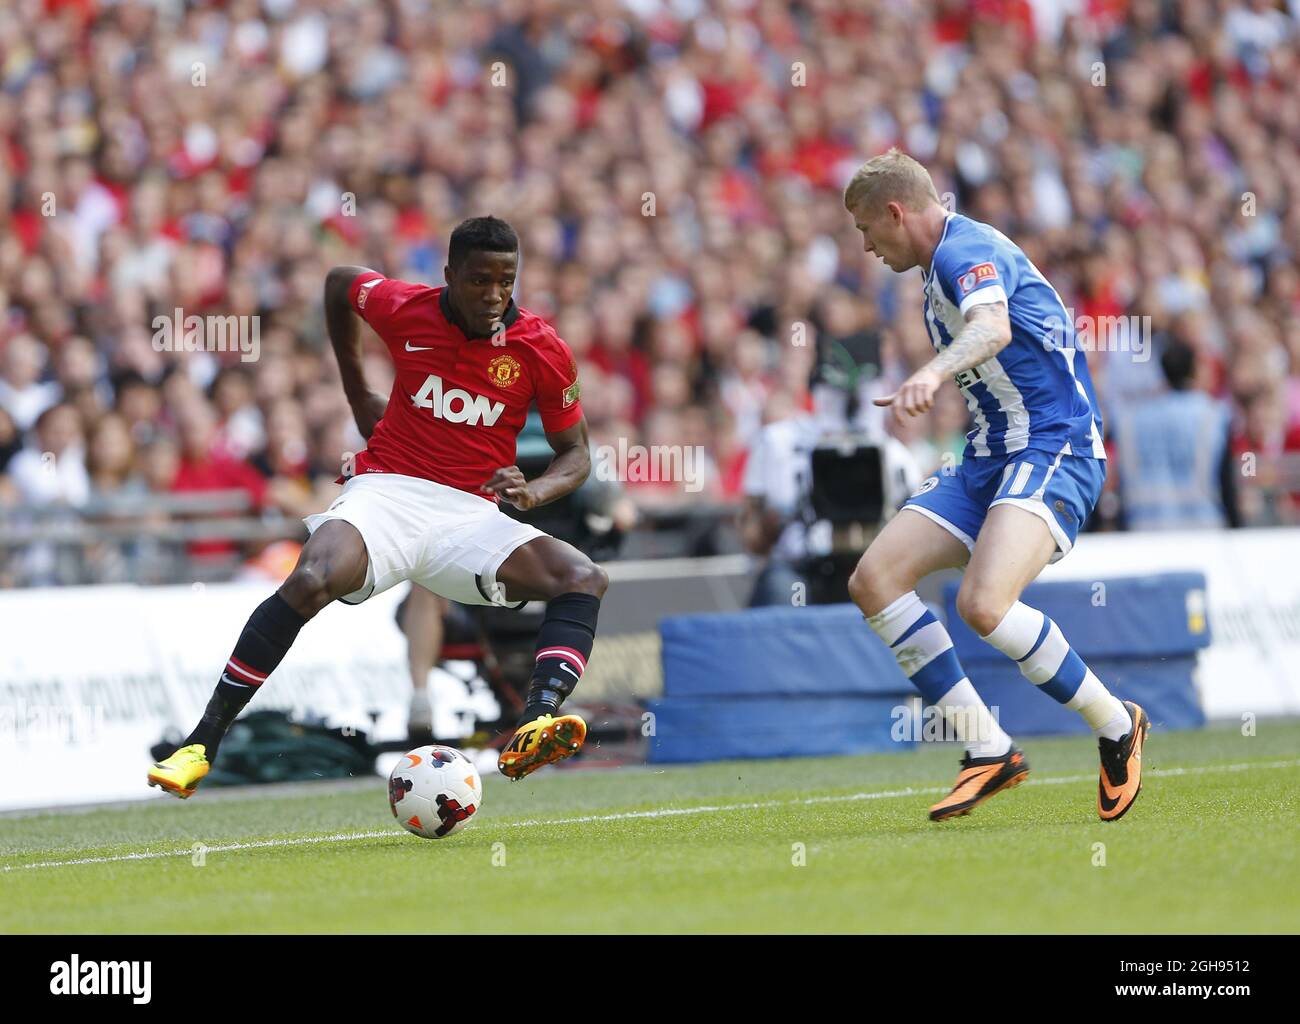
674, 169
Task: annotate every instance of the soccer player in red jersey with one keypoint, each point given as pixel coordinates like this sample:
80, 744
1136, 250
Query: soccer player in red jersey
420, 503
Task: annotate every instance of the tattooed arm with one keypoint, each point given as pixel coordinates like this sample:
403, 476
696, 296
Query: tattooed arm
987, 332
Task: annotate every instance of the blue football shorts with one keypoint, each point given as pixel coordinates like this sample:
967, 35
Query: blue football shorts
1060, 489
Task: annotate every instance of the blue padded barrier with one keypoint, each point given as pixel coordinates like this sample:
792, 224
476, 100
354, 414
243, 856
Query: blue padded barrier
827, 649
721, 728
787, 682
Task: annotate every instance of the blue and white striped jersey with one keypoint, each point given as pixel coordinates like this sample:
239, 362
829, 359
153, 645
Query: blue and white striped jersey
1035, 393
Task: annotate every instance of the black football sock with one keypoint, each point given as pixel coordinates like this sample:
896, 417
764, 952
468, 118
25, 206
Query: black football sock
563, 647
262, 645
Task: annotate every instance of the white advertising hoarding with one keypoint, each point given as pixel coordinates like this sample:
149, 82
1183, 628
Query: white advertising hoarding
93, 676
1253, 592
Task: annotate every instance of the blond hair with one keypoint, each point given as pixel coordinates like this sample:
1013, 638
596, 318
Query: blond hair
890, 177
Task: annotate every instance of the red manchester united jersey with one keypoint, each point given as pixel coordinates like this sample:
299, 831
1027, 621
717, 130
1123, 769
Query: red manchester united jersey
458, 403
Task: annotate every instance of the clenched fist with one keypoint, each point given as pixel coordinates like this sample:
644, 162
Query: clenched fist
508, 482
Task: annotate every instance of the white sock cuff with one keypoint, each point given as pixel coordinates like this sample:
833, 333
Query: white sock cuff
972, 721
1018, 631
1103, 711
893, 621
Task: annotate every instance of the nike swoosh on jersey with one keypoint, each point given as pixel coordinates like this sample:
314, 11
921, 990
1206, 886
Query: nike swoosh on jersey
569, 670
418, 348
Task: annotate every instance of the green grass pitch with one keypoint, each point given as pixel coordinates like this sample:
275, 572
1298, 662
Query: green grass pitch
815, 845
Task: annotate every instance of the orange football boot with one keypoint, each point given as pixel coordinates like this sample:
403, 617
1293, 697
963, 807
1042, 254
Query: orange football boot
1120, 780
979, 779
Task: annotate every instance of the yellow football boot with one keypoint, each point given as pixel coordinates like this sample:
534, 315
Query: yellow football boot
180, 773
542, 741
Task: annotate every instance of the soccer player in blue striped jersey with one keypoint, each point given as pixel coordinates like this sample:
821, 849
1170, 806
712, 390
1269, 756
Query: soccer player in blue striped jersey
1031, 473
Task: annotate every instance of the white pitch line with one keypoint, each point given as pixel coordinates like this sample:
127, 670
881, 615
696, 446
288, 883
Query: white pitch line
666, 812
337, 837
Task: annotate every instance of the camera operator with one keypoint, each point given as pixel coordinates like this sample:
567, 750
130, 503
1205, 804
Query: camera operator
799, 521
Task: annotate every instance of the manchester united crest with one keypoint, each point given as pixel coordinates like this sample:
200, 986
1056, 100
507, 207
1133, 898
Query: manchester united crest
503, 371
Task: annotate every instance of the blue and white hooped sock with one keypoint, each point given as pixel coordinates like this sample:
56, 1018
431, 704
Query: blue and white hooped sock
1036, 643
924, 652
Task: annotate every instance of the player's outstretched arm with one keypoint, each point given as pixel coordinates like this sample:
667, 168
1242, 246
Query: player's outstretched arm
342, 323
987, 332
566, 473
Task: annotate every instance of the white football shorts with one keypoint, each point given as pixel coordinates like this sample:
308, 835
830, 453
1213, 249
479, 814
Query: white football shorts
447, 540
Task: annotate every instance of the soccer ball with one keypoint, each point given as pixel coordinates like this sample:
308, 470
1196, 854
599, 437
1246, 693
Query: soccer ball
434, 791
